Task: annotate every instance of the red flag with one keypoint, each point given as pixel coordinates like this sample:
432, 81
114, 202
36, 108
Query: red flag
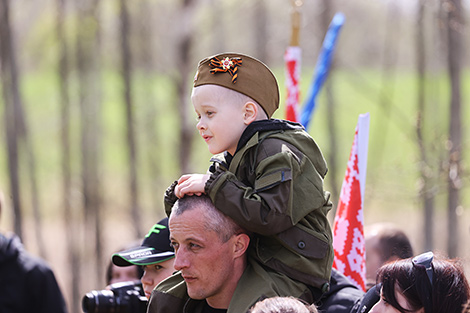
292, 57
348, 228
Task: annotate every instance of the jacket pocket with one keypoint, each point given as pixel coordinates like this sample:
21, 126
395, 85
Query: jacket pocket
304, 243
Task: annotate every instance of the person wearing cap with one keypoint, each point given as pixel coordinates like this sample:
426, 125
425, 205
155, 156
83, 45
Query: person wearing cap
156, 255
267, 174
214, 273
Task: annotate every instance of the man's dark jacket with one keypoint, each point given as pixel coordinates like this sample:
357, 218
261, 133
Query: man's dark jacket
343, 296
27, 284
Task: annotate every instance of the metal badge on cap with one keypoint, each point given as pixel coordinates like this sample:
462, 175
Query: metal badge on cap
226, 65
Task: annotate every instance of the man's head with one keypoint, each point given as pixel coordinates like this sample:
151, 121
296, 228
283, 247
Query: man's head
210, 250
384, 243
156, 255
283, 305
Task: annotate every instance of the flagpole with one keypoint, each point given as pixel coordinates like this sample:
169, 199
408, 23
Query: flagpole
322, 67
363, 145
292, 58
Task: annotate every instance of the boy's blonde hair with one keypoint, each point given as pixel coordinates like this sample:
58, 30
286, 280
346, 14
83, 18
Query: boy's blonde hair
238, 99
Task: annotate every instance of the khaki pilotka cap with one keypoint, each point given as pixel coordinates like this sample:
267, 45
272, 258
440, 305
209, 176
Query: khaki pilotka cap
243, 74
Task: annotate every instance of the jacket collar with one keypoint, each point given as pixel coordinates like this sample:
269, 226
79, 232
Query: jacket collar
265, 125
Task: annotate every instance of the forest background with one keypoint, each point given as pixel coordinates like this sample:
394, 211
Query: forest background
97, 121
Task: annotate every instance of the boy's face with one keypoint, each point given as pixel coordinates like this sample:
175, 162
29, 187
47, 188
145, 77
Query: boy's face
220, 118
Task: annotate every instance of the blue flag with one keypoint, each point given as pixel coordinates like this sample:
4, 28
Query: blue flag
322, 67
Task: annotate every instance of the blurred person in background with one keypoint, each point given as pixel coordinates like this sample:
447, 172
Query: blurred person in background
342, 297
283, 305
424, 284
155, 255
27, 283
384, 242
119, 274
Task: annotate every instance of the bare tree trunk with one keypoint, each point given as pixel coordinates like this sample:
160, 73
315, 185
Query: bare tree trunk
454, 53
146, 34
426, 190
388, 72
184, 68
17, 130
70, 226
219, 41
88, 56
11, 97
325, 18
35, 196
126, 59
261, 33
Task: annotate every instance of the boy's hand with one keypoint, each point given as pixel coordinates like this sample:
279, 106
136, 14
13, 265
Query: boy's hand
192, 184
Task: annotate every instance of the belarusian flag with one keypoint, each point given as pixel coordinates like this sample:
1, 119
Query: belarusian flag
348, 228
292, 57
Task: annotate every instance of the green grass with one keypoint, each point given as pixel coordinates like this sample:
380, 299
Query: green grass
392, 173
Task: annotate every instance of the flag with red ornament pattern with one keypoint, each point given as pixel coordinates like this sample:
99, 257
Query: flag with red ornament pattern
348, 228
292, 58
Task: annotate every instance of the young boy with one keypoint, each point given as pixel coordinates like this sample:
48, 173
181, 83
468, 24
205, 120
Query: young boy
270, 176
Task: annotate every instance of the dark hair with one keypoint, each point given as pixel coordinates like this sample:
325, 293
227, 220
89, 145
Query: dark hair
448, 293
392, 242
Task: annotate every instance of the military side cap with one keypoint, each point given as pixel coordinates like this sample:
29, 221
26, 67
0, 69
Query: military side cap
243, 74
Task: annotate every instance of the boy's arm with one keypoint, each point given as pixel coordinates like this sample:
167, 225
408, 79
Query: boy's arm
170, 198
269, 206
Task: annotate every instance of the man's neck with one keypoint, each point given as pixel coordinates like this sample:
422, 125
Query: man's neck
208, 309
223, 298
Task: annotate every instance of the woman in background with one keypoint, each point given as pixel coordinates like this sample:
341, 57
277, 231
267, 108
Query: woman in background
423, 284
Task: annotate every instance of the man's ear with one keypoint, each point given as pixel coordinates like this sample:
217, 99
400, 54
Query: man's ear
250, 112
241, 243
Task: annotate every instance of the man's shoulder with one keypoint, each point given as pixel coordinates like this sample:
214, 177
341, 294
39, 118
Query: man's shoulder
170, 295
174, 285
258, 282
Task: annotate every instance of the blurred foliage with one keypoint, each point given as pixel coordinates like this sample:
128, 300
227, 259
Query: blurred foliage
374, 72
363, 82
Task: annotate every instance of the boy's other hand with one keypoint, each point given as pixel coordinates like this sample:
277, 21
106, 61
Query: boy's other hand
191, 184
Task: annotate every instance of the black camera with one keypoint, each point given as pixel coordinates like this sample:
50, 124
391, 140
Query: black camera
127, 297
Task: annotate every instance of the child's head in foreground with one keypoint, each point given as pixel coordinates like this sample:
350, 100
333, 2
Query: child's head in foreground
283, 305
231, 91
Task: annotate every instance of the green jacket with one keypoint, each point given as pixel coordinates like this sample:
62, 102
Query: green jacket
256, 283
273, 187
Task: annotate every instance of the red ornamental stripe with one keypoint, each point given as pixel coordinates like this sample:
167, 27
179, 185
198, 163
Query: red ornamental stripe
292, 91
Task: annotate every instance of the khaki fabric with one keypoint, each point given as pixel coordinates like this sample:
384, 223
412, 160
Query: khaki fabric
253, 79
